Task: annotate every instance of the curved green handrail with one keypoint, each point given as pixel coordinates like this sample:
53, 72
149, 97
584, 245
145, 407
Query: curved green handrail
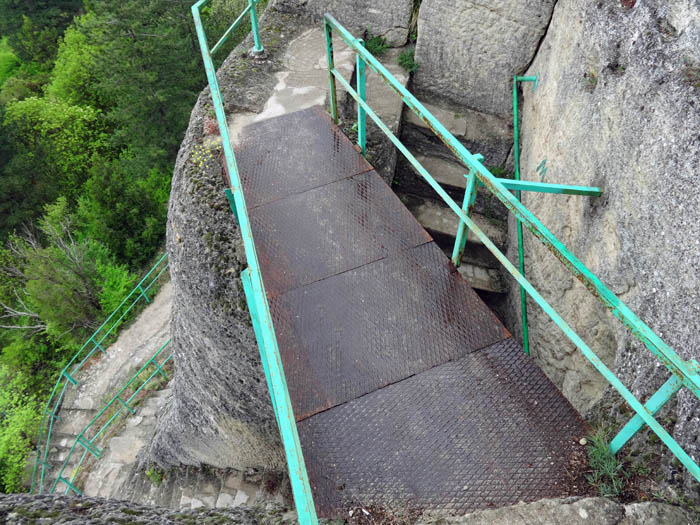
90, 443
69, 374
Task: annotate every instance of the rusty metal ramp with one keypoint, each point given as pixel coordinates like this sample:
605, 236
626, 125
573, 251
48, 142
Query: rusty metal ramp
407, 390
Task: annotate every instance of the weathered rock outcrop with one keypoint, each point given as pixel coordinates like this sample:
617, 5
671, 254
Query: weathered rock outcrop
572, 511
26, 508
391, 19
220, 414
469, 50
53, 508
618, 107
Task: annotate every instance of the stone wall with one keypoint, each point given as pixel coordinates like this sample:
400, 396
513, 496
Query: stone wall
469, 50
389, 19
618, 107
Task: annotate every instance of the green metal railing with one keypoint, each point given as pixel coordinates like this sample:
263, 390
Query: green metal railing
254, 288
69, 374
90, 444
684, 373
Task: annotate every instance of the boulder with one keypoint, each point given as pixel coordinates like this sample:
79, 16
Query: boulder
618, 107
469, 50
389, 19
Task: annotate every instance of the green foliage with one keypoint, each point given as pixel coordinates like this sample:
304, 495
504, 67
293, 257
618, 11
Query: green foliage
155, 475
125, 208
75, 78
407, 60
8, 61
607, 474
20, 417
94, 100
71, 136
34, 27
376, 44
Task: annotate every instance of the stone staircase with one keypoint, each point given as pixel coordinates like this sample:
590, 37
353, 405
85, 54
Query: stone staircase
99, 381
483, 134
121, 474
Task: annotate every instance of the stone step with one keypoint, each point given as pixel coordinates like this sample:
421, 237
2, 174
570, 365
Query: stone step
479, 267
486, 279
438, 218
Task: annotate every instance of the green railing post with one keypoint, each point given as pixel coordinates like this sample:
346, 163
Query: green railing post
258, 49
467, 207
70, 485
361, 115
143, 294
231, 202
126, 405
519, 226
70, 378
332, 92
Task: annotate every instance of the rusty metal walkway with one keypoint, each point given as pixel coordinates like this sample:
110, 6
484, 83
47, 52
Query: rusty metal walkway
407, 390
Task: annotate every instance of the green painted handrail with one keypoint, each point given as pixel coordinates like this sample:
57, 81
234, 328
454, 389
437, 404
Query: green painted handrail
89, 443
69, 374
685, 372
256, 297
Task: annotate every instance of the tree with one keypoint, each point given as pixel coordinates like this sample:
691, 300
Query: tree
34, 27
60, 282
72, 137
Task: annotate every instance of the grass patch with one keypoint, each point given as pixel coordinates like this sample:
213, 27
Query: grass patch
376, 44
607, 474
155, 475
407, 60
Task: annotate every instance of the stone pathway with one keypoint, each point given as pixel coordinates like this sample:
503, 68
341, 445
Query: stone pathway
120, 474
101, 380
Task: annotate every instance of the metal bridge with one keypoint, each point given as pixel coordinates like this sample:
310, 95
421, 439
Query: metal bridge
392, 383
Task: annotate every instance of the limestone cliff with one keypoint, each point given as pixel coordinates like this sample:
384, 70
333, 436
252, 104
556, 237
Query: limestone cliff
618, 107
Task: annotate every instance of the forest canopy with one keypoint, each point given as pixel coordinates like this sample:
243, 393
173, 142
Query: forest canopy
95, 97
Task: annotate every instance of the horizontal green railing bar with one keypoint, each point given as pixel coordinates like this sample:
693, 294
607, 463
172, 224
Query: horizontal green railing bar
547, 187
89, 443
69, 372
279, 393
230, 30
666, 354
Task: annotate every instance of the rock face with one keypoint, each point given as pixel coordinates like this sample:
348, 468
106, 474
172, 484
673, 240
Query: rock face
618, 107
389, 19
469, 50
572, 511
220, 413
52, 508
26, 508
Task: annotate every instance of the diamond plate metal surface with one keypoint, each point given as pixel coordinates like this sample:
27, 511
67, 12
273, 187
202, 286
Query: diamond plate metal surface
330, 229
487, 430
294, 153
361, 330
408, 390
